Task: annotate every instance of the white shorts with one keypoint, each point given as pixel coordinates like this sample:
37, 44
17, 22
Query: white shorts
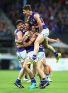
30, 54
45, 33
21, 56
40, 55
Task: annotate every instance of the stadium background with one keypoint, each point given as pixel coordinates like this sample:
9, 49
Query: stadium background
54, 13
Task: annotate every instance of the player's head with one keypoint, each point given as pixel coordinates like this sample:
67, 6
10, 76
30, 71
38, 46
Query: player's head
26, 10
20, 24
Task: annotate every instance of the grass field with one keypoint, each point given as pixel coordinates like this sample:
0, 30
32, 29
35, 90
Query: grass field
59, 84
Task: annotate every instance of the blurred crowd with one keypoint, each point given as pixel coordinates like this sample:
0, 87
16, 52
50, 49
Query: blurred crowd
4, 28
6, 35
54, 12
12, 9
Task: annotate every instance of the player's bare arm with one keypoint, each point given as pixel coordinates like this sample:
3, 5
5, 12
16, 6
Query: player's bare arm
37, 18
22, 38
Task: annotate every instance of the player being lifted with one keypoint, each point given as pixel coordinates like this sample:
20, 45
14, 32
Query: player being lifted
35, 19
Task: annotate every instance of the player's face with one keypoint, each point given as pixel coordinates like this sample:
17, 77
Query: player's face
33, 29
20, 26
26, 12
26, 26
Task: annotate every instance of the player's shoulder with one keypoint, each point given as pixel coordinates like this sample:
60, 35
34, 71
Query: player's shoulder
17, 31
36, 15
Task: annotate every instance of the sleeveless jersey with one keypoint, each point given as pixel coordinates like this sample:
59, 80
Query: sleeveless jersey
33, 22
19, 49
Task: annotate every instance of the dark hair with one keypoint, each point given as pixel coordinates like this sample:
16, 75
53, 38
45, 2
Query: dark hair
27, 7
19, 21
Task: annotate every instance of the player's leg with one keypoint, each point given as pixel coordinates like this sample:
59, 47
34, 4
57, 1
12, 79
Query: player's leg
30, 73
28, 70
21, 56
40, 71
46, 45
42, 37
47, 70
34, 69
38, 41
26, 74
43, 82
